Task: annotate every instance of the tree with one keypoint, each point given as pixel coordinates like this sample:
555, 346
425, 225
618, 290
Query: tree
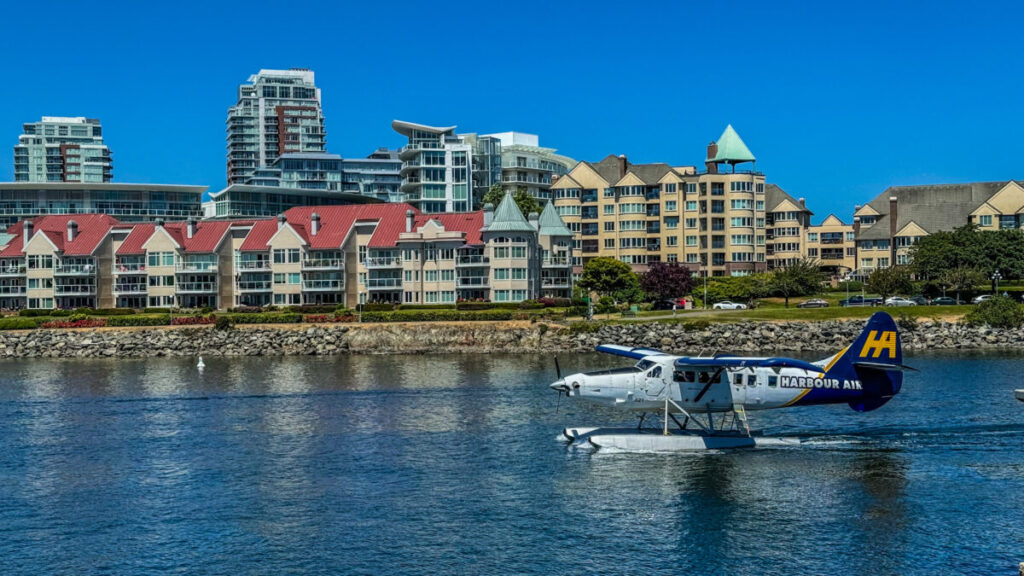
527, 204
610, 277
986, 250
889, 281
800, 278
961, 278
666, 280
734, 288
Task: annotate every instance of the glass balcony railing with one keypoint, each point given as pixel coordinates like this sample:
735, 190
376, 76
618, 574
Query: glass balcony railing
394, 262
130, 288
472, 281
11, 290
383, 283
322, 285
254, 286
74, 270
12, 271
73, 289
129, 268
195, 287
323, 263
554, 282
472, 261
556, 262
253, 266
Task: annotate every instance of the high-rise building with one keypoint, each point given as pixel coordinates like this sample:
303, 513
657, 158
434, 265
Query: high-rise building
524, 164
58, 149
278, 112
437, 170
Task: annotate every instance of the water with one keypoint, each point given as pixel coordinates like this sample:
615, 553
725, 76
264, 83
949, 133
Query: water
449, 465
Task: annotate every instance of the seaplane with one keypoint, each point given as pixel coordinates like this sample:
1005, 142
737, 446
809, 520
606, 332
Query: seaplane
689, 393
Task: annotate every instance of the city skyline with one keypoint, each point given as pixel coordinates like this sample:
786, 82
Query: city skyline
837, 116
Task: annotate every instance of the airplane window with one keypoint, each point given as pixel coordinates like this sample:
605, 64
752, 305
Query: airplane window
683, 376
656, 373
738, 379
644, 364
752, 380
703, 377
773, 381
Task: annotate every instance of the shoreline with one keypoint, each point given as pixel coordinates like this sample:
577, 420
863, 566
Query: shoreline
481, 338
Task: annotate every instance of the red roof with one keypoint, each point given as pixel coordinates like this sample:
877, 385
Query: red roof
207, 236
336, 223
136, 238
92, 229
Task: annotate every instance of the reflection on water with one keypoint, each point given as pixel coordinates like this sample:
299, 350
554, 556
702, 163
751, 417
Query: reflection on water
427, 464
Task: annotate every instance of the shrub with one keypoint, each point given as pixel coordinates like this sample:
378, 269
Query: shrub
105, 311
245, 310
313, 308
157, 310
695, 325
378, 307
558, 302
206, 310
468, 305
906, 321
34, 312
267, 318
997, 312
73, 322
327, 318
159, 320
426, 307
605, 305
16, 323
192, 320
585, 327
444, 315
222, 323
530, 305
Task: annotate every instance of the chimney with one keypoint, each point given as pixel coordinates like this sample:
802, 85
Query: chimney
710, 166
408, 219
856, 207
314, 224
27, 228
159, 223
623, 165
803, 202
534, 219
280, 221
488, 214
856, 225
72, 230
893, 217
190, 227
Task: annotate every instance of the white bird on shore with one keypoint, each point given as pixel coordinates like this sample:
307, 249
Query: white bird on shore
201, 364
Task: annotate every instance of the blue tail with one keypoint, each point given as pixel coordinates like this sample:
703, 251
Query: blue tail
875, 359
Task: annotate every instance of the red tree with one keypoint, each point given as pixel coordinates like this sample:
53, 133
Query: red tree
666, 280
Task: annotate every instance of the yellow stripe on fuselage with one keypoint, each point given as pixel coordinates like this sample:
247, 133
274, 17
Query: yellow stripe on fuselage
798, 397
836, 359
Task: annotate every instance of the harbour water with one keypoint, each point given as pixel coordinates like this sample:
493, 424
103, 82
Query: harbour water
450, 465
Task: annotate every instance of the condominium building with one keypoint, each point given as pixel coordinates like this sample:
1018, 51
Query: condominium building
247, 201
785, 228
278, 112
526, 165
888, 227
126, 202
714, 221
437, 170
307, 255
833, 245
376, 176
58, 149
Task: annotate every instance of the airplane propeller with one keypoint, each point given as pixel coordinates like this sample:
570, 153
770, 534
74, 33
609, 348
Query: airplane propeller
558, 374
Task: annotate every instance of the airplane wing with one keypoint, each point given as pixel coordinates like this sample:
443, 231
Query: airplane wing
740, 362
635, 353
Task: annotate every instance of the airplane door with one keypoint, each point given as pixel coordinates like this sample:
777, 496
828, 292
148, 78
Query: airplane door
654, 382
738, 383
755, 388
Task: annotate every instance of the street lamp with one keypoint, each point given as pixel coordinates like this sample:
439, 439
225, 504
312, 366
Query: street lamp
996, 277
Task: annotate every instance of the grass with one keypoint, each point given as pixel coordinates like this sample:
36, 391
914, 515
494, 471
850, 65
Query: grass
780, 314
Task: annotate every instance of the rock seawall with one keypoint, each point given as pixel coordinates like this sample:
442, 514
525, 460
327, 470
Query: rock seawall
479, 337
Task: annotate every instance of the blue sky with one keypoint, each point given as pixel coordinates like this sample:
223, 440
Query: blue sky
837, 100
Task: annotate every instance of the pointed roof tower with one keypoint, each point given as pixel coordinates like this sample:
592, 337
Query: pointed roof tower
508, 217
729, 149
551, 223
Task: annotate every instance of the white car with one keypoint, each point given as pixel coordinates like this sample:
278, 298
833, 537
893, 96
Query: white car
727, 305
980, 299
899, 301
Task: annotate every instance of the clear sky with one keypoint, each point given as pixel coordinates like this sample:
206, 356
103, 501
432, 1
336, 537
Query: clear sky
836, 100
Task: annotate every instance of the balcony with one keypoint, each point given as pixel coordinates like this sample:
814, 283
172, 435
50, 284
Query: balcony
554, 283
196, 267
75, 270
255, 286
324, 285
12, 290
384, 283
8, 271
831, 240
472, 282
253, 266
378, 263
135, 268
74, 290
195, 287
470, 261
556, 262
129, 289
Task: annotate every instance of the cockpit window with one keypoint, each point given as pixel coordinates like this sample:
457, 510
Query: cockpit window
644, 364
656, 373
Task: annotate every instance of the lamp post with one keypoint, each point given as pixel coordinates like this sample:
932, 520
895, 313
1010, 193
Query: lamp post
705, 290
995, 278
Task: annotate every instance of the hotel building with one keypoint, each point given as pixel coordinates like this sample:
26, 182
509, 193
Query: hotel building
278, 112
307, 255
58, 149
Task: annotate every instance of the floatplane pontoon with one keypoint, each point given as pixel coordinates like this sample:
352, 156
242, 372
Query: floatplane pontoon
702, 401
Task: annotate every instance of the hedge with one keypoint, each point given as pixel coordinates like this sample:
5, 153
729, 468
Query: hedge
313, 308
105, 311
470, 305
29, 313
160, 320
426, 307
444, 315
157, 310
16, 323
266, 318
378, 307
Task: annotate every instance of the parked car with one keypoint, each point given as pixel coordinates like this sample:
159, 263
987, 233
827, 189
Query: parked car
727, 305
920, 300
899, 301
665, 305
860, 301
813, 303
946, 301
980, 299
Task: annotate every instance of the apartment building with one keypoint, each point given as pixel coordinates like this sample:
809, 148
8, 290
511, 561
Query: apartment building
887, 227
526, 165
437, 171
786, 222
59, 149
307, 255
278, 112
833, 244
126, 202
714, 221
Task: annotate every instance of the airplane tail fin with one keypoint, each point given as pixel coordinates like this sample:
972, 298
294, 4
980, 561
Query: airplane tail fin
875, 359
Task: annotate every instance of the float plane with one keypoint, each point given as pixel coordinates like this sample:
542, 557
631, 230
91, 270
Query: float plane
688, 392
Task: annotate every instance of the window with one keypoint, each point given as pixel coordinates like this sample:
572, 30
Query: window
670, 206
430, 276
691, 240
691, 205
609, 226
501, 252
609, 243
672, 241
670, 187
447, 275
519, 251
773, 381
609, 209
291, 255
501, 273
158, 259
812, 236
737, 379
741, 204
519, 273
741, 222
671, 223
